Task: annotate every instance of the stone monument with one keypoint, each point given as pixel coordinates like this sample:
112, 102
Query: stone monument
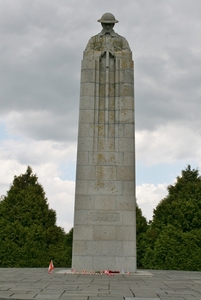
105, 219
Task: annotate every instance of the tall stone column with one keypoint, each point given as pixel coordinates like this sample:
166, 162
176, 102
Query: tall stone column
105, 219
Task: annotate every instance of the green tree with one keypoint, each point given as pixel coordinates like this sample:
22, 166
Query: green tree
141, 239
28, 232
178, 250
182, 206
174, 234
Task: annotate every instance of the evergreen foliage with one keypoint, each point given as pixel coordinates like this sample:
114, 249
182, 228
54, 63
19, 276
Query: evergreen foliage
28, 232
174, 236
141, 228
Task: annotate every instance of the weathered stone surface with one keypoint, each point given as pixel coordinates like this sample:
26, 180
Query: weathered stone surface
104, 222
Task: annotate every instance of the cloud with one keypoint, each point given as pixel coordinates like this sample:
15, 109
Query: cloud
167, 90
148, 196
43, 125
168, 144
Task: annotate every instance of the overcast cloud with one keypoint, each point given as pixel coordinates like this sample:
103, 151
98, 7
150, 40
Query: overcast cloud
42, 43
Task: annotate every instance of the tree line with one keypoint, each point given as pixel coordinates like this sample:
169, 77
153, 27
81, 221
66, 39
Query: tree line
29, 236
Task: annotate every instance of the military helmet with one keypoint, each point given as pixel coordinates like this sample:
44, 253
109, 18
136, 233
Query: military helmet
108, 18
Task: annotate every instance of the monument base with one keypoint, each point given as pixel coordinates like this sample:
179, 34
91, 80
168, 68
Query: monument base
104, 263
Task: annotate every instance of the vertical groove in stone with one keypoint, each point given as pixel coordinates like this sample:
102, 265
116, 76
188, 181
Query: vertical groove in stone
96, 104
117, 100
107, 92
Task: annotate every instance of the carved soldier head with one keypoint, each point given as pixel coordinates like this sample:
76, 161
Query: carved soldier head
108, 21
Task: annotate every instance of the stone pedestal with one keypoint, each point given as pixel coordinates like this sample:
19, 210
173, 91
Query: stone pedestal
105, 219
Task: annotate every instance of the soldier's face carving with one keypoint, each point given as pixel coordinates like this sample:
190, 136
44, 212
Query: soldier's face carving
107, 26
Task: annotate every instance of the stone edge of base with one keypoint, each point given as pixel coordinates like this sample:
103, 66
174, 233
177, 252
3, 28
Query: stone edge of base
137, 273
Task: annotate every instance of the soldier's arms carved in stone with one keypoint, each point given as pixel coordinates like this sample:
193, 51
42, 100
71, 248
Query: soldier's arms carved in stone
107, 39
109, 43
